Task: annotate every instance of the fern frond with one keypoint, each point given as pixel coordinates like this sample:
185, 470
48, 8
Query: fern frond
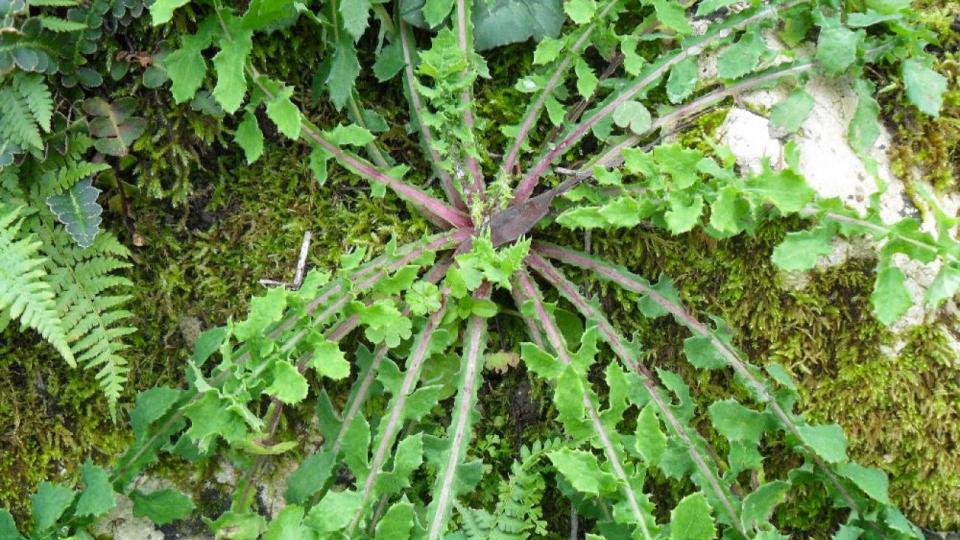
24, 294
79, 278
37, 97
16, 120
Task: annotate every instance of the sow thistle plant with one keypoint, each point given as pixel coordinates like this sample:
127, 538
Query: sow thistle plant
421, 312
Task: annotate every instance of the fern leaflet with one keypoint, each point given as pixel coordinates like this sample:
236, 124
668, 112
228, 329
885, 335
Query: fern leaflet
24, 294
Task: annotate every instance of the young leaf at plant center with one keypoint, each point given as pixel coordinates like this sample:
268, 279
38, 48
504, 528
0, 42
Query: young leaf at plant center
925, 87
684, 213
162, 506
78, 210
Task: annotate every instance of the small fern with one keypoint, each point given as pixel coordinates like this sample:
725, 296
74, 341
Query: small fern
79, 263
84, 282
26, 107
24, 292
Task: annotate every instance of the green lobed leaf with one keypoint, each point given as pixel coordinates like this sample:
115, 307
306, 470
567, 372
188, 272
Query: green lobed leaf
925, 87
785, 189
161, 11
864, 128
249, 137
671, 14
288, 385
828, 441
758, 506
742, 57
211, 418
344, 70
634, 115
351, 134
650, 440
397, 521
682, 79
692, 519
355, 14
944, 286
162, 506
329, 361
684, 213
736, 422
436, 11
702, 354
334, 511
800, 250
872, 481
288, 525
836, 47
583, 471
580, 11
890, 298
790, 113
231, 86
284, 113
49, 503
586, 79
264, 311
97, 497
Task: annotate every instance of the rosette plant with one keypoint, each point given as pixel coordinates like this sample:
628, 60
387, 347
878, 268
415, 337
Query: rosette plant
396, 457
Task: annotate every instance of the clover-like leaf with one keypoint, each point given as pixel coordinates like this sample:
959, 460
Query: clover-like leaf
77, 208
114, 124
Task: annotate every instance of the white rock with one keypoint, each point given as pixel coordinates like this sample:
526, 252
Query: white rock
120, 524
748, 136
833, 169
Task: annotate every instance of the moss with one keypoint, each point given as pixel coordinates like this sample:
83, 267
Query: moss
900, 412
922, 142
53, 420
